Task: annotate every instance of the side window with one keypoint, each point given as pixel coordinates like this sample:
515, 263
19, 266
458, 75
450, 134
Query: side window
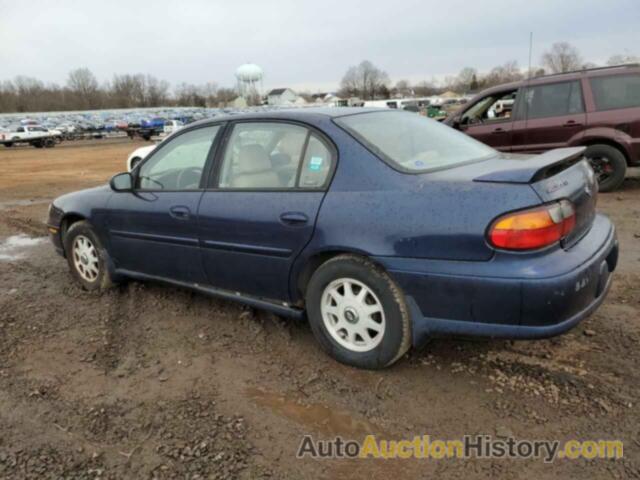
553, 100
179, 163
20, 129
496, 107
263, 155
316, 165
576, 104
619, 91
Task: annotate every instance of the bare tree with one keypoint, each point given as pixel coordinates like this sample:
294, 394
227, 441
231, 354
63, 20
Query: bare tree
465, 79
621, 59
402, 88
225, 95
508, 72
424, 89
562, 57
84, 86
156, 91
364, 80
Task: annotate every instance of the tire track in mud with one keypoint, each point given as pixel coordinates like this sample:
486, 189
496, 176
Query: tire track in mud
30, 226
118, 327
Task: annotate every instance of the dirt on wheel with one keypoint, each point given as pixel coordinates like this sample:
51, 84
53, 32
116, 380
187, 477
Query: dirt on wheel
149, 381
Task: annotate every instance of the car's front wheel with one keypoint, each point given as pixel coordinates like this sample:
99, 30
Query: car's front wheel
86, 257
357, 313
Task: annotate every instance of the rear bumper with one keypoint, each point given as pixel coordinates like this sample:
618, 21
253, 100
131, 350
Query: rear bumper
511, 296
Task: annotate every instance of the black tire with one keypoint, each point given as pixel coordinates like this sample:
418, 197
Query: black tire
396, 336
609, 164
103, 279
8, 144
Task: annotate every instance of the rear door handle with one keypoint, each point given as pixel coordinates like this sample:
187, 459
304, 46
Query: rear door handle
294, 218
498, 130
571, 123
180, 212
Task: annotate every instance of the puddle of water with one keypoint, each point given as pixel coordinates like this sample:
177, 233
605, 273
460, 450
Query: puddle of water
317, 417
13, 248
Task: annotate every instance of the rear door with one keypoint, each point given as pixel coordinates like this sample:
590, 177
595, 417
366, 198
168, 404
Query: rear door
555, 116
262, 207
614, 101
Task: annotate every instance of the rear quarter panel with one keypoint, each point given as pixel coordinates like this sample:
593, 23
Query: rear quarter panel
374, 210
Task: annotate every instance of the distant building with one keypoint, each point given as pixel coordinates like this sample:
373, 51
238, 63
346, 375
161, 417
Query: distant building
330, 100
281, 96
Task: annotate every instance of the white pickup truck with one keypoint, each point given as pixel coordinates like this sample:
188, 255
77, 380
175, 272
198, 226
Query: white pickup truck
34, 135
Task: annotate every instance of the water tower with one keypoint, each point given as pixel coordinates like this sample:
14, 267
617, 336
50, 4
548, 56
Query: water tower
249, 78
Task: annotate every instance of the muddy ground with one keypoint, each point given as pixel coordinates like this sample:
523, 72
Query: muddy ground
150, 381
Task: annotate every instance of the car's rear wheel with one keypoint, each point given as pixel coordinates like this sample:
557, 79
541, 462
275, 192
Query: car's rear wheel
357, 313
609, 165
86, 257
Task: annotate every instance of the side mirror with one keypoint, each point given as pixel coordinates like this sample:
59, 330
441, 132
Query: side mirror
121, 182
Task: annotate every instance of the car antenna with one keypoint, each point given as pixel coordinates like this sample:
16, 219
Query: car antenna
530, 52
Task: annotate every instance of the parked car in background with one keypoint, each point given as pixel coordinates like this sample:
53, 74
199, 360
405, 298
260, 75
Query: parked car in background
171, 126
138, 155
597, 108
34, 135
366, 221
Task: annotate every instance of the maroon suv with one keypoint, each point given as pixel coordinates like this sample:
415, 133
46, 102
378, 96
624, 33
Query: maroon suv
597, 108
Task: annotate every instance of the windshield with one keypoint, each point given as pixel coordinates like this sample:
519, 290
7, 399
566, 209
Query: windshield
412, 142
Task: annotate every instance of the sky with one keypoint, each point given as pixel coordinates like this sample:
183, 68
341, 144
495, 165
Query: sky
305, 45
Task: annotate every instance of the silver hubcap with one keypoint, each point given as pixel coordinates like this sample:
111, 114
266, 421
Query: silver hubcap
353, 315
85, 258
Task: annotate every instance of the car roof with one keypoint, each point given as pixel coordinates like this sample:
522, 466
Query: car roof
308, 115
562, 77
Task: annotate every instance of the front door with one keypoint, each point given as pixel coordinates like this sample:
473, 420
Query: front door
555, 116
261, 213
490, 121
154, 229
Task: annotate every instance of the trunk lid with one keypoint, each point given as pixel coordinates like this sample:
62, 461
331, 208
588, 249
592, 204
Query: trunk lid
555, 175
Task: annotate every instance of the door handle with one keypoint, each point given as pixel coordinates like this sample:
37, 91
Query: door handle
571, 123
180, 213
294, 218
498, 130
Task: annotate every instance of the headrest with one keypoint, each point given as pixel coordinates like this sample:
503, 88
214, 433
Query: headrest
253, 159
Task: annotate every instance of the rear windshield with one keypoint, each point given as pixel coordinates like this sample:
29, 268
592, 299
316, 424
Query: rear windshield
619, 91
413, 143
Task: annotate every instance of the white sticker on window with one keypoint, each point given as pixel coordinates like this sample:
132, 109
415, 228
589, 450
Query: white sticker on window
315, 163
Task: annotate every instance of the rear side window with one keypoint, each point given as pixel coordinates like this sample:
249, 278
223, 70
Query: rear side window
620, 91
553, 100
271, 155
316, 165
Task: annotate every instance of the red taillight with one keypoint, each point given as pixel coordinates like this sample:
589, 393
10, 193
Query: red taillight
533, 228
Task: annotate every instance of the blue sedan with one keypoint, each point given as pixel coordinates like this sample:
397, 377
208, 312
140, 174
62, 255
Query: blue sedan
383, 228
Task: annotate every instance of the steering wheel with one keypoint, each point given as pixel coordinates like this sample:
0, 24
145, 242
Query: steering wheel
183, 176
